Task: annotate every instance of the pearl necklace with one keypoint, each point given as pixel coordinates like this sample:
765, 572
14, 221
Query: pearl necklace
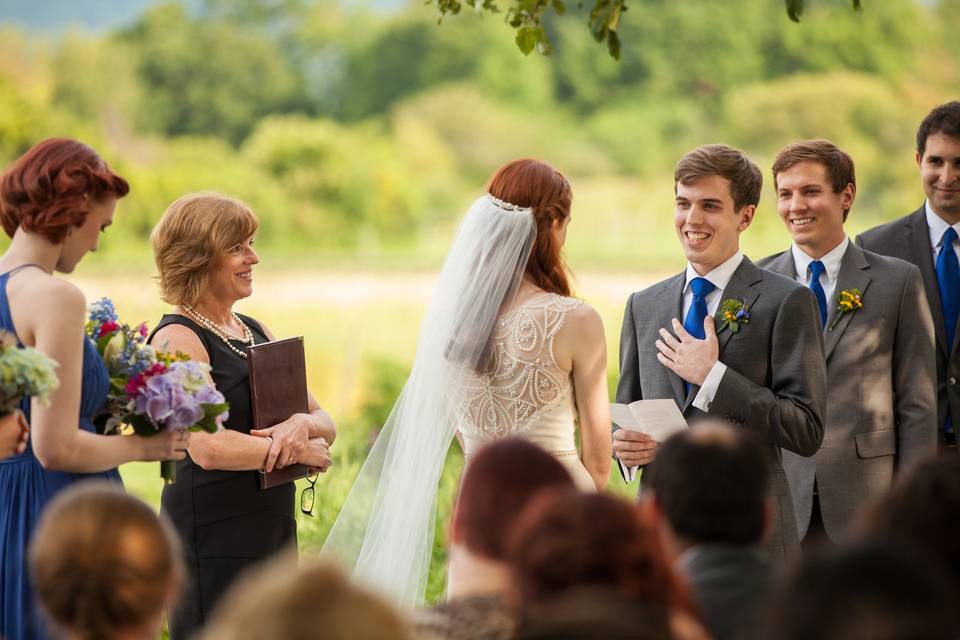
220, 332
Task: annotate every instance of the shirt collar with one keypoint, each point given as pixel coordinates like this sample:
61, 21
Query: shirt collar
937, 225
720, 276
831, 260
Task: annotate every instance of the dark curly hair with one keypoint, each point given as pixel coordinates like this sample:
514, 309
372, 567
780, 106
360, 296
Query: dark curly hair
47, 190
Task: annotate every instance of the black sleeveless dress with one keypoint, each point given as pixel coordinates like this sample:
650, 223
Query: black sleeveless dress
225, 521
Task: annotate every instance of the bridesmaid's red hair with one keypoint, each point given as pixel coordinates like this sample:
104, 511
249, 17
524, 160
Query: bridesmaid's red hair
532, 183
47, 190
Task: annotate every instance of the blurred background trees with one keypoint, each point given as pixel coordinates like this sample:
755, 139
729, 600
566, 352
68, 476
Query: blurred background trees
364, 129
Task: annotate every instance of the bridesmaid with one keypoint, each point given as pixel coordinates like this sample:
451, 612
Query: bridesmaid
54, 203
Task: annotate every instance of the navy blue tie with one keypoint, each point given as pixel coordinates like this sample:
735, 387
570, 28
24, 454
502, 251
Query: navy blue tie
693, 323
948, 278
816, 269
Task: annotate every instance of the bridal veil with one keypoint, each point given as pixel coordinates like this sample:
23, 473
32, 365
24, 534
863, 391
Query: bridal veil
385, 528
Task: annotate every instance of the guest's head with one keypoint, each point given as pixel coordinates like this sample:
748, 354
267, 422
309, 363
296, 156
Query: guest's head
103, 564
920, 512
717, 191
938, 156
62, 191
284, 601
497, 485
203, 247
532, 183
866, 592
709, 485
816, 186
569, 540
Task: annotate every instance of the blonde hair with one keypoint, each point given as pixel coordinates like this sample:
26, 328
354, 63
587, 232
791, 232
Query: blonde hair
103, 562
193, 232
280, 601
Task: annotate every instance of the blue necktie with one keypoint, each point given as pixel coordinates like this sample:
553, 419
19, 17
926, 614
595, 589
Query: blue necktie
817, 268
948, 279
693, 323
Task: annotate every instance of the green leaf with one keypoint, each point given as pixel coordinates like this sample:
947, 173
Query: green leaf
527, 39
794, 9
613, 45
857, 6
559, 7
142, 425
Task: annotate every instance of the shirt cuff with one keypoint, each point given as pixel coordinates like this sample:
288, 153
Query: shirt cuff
709, 387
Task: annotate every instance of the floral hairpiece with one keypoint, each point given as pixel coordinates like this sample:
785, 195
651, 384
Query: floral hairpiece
508, 206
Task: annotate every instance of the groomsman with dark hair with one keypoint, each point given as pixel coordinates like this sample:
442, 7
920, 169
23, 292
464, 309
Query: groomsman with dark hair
881, 407
928, 238
749, 347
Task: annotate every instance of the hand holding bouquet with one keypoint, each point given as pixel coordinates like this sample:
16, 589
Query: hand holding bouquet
24, 371
152, 391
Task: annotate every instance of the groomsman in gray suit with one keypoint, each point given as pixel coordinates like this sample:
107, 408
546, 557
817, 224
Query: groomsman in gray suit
881, 398
928, 238
758, 364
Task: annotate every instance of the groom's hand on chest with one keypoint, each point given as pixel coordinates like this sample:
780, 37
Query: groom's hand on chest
687, 356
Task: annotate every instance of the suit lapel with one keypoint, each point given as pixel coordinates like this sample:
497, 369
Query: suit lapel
739, 288
918, 239
853, 275
669, 305
784, 265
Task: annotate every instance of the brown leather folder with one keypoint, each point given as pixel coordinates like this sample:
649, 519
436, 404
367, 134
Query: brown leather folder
278, 389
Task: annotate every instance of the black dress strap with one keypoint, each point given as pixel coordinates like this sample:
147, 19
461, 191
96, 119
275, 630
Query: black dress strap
175, 318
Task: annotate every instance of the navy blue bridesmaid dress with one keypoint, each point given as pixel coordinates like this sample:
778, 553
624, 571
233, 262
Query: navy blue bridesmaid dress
26, 487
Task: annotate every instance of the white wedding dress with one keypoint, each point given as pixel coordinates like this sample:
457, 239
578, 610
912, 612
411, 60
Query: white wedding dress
525, 393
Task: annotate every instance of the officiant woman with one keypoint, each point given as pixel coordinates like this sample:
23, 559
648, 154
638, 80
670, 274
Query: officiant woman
203, 249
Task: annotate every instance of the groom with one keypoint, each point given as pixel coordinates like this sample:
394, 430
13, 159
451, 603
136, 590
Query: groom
725, 338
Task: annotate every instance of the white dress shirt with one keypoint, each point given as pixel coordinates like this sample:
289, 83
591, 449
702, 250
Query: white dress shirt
938, 226
719, 278
831, 264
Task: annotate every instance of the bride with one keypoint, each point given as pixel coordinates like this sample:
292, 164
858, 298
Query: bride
503, 351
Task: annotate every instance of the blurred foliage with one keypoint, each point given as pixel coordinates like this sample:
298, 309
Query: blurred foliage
363, 133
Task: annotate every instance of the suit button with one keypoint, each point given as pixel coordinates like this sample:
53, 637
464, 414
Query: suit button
951, 381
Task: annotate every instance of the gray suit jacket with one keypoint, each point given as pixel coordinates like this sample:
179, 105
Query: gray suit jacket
908, 238
775, 382
881, 399
730, 584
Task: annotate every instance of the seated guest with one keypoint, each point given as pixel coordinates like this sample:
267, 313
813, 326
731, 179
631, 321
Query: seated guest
497, 485
594, 548
103, 565
280, 601
920, 511
203, 248
867, 592
707, 493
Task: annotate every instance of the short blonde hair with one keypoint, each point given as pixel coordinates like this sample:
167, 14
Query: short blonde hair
102, 561
193, 232
281, 601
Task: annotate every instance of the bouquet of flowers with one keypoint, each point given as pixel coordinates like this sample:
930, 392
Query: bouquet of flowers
24, 371
152, 391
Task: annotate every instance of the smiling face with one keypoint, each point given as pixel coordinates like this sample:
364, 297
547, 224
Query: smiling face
231, 277
811, 211
707, 222
940, 173
86, 237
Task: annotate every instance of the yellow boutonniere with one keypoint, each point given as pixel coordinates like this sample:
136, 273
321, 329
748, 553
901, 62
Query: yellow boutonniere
848, 301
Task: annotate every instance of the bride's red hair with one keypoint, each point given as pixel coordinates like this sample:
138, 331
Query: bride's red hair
532, 183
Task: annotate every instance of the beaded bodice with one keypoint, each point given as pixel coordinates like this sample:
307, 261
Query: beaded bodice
524, 380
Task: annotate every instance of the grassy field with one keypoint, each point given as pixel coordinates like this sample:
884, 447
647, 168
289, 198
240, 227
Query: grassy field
360, 332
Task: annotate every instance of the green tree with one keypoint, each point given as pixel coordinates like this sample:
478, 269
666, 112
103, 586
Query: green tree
209, 77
